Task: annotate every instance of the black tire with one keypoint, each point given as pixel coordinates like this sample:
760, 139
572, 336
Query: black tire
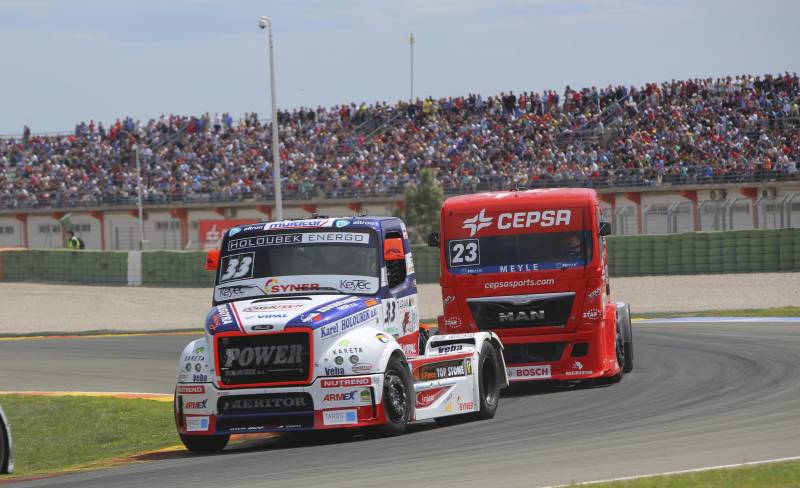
205, 444
424, 335
628, 346
398, 399
489, 374
4, 447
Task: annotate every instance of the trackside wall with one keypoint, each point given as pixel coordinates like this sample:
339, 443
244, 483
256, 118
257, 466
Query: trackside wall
740, 251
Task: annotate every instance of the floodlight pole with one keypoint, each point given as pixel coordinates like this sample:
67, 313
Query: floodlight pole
411, 45
276, 161
139, 198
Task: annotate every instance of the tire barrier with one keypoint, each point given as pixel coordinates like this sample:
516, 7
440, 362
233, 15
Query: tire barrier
738, 251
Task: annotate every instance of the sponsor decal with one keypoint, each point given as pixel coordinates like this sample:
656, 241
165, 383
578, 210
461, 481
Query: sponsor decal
517, 220
341, 351
267, 307
594, 293
366, 396
577, 370
234, 231
188, 367
494, 285
295, 224
220, 316
234, 290
198, 367
468, 365
340, 417
441, 370
199, 378
285, 354
522, 315
529, 372
453, 322
341, 223
450, 348
232, 403
196, 424
199, 350
263, 327
195, 405
272, 316
476, 223
272, 286
269, 240
354, 285
426, 398
346, 382
337, 304
191, 389
409, 263
383, 337
362, 368
448, 300
337, 237
340, 397
410, 349
592, 314
347, 323
464, 405
334, 371
406, 325
194, 358
311, 317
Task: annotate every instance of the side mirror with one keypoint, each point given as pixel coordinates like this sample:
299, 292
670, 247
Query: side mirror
393, 249
604, 229
212, 260
434, 239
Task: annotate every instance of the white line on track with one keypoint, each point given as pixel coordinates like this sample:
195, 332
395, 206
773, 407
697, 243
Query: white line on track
683, 471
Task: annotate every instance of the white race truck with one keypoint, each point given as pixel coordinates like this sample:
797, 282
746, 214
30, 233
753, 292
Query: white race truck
315, 325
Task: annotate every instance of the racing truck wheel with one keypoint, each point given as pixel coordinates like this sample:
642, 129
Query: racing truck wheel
205, 444
489, 374
397, 399
5, 446
628, 345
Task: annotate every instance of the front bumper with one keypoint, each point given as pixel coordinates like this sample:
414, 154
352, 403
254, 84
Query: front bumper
327, 403
559, 357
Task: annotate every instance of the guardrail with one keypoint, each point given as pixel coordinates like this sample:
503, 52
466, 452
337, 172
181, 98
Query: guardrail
739, 251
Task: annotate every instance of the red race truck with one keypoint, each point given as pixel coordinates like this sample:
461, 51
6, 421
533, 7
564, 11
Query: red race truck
531, 267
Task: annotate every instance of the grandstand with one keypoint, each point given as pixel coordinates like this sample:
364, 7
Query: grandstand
691, 134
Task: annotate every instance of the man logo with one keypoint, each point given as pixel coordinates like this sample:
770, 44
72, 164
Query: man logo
523, 315
476, 223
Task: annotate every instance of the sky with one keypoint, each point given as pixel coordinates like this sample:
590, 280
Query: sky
62, 62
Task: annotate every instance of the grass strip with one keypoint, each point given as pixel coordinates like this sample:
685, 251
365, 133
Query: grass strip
750, 312
53, 434
772, 475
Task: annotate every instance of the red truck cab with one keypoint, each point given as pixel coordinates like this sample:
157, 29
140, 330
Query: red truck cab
531, 266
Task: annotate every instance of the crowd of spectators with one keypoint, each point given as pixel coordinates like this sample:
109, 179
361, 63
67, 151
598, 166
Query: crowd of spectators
692, 131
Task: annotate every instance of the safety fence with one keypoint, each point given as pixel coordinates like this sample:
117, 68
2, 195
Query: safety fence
739, 251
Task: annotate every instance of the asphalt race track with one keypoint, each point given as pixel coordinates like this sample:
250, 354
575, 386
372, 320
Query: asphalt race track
702, 394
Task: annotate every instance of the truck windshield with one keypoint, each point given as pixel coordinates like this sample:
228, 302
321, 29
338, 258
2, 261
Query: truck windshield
519, 252
298, 262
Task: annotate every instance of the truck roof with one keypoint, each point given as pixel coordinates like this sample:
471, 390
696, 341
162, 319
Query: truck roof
315, 223
574, 197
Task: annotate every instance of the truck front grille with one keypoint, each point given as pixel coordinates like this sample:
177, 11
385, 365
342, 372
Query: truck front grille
516, 311
264, 359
